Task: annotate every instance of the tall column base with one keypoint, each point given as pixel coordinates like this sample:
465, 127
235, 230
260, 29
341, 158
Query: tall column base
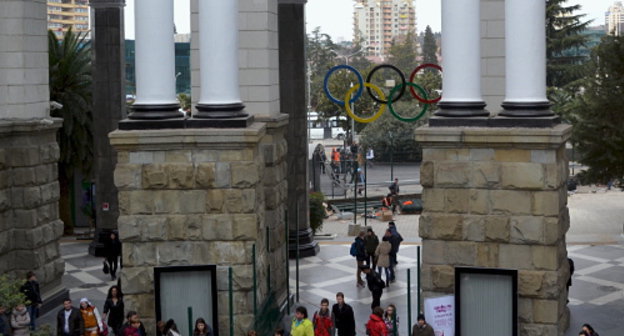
494, 121
203, 196
155, 111
30, 227
461, 109
526, 109
308, 247
496, 198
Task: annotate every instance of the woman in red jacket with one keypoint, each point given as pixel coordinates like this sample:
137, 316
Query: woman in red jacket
376, 325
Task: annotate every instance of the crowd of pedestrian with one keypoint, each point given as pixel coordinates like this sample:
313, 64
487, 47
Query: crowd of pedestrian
340, 321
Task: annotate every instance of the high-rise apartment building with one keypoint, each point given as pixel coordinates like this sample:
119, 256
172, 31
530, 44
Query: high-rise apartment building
63, 14
377, 22
614, 19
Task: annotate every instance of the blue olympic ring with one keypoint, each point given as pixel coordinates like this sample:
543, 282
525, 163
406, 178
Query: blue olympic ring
359, 90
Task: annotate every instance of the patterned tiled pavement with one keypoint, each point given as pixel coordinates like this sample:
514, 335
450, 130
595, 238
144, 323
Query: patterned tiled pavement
596, 295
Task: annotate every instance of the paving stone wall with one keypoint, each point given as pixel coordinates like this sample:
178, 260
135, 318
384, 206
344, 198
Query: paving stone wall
496, 198
202, 196
30, 227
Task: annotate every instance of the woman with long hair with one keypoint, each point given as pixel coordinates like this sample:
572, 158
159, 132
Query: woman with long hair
391, 319
114, 309
202, 328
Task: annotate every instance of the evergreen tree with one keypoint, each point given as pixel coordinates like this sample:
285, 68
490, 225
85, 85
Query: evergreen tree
598, 121
564, 35
429, 48
70, 85
403, 53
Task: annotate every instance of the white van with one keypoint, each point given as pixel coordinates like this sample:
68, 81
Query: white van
323, 129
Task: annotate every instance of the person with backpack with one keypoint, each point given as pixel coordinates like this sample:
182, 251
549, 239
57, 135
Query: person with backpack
358, 250
322, 321
375, 285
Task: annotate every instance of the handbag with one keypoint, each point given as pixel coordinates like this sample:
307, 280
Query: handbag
104, 330
105, 267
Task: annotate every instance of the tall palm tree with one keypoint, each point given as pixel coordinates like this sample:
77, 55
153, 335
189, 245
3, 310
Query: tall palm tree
70, 85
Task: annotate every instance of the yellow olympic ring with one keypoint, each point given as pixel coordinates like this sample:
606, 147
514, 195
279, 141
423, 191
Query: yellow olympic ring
376, 115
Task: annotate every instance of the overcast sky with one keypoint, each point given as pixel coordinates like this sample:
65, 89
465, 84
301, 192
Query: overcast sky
335, 17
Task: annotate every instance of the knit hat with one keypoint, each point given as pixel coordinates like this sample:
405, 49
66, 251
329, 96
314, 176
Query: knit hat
421, 317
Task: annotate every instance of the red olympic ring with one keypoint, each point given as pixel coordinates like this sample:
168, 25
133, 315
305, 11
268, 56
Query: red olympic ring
418, 68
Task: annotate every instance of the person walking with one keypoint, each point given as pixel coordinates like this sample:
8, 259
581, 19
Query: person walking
301, 326
343, 317
133, 325
394, 187
370, 155
392, 320
91, 317
171, 328
375, 285
112, 251
589, 330
376, 325
422, 328
202, 328
322, 321
371, 241
5, 322
33, 295
69, 320
114, 309
360, 257
395, 240
383, 257
20, 321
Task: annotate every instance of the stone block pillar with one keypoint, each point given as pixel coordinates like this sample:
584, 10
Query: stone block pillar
109, 107
496, 198
291, 25
30, 227
203, 196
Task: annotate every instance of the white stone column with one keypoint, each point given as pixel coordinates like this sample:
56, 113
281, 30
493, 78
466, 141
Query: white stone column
525, 59
218, 61
154, 61
461, 59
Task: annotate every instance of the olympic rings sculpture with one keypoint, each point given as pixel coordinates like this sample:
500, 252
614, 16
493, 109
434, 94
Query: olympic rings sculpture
399, 89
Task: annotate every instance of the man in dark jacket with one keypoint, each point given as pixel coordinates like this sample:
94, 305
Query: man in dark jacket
343, 317
69, 321
395, 240
422, 328
375, 285
33, 295
371, 241
5, 322
112, 248
360, 257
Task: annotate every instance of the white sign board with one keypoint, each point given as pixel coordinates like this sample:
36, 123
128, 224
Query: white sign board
440, 314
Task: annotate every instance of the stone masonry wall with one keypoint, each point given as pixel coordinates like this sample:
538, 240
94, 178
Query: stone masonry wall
30, 227
496, 198
274, 149
200, 196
